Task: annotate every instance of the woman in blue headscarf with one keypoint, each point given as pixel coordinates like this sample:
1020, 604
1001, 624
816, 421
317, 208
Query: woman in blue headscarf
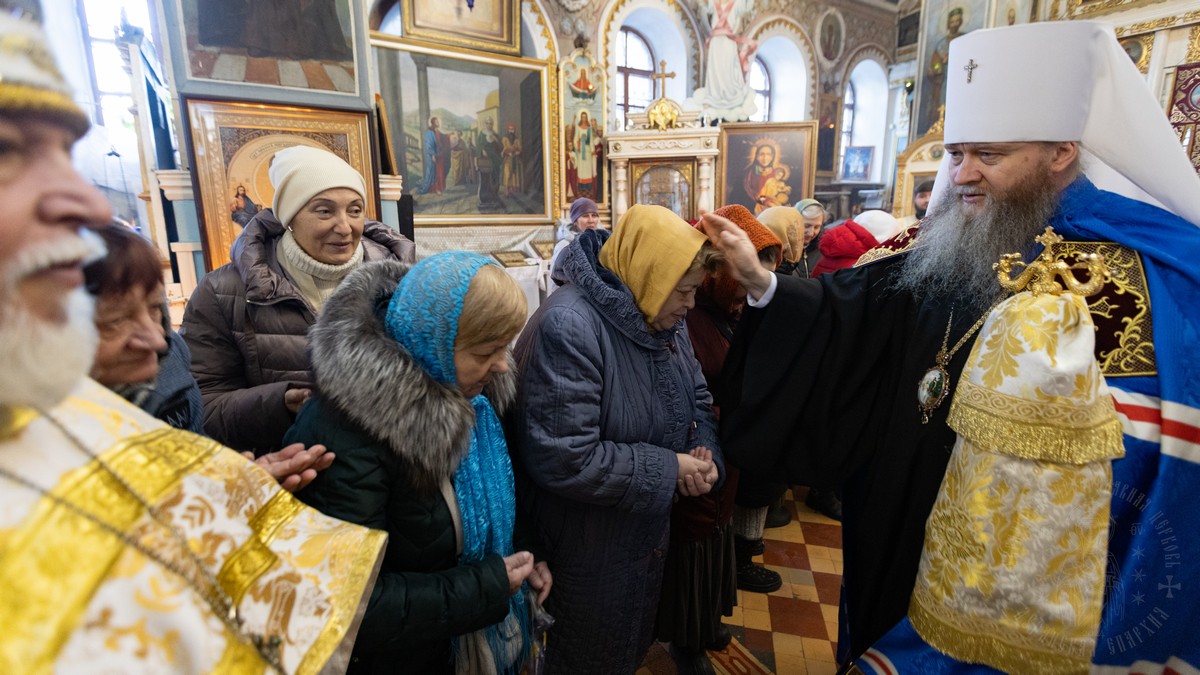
411, 368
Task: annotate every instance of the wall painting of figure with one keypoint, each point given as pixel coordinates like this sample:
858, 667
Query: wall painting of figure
581, 87
468, 132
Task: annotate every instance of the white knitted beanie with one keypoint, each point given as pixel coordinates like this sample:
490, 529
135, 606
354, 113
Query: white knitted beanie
300, 173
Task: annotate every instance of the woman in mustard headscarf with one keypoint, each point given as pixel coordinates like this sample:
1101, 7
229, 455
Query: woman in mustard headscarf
613, 421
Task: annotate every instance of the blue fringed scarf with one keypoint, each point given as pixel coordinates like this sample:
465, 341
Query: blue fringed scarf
423, 317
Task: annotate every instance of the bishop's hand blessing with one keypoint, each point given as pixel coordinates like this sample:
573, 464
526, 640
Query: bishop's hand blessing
740, 257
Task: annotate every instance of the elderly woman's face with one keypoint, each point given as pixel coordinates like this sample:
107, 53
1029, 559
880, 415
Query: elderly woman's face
587, 221
475, 366
679, 301
812, 227
330, 225
131, 336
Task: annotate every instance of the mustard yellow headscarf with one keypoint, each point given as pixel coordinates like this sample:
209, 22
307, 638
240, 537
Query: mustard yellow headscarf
650, 250
787, 224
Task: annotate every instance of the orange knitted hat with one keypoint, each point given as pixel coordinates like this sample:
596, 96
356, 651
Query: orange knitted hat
760, 235
721, 288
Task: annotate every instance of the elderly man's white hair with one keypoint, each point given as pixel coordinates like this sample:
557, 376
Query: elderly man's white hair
1068, 81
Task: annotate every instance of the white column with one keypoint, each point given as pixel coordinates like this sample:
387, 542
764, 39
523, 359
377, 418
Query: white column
705, 199
390, 187
176, 184
620, 177
185, 260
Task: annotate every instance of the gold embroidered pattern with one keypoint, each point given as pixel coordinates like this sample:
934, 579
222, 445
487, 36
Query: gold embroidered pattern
955, 540
354, 569
1125, 334
1049, 431
239, 657
1012, 571
901, 243
1002, 581
245, 565
976, 642
56, 564
49, 567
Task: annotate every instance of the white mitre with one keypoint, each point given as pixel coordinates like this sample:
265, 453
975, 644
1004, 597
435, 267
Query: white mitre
1068, 81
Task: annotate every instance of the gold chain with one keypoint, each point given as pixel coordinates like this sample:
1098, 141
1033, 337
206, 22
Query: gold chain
943, 357
216, 597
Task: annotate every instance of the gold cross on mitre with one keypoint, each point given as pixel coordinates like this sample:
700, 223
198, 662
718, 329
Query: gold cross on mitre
970, 68
663, 76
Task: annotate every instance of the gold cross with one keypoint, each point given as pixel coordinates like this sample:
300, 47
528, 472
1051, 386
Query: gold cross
663, 77
970, 68
1049, 239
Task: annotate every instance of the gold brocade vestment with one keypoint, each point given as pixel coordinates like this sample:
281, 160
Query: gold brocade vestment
1012, 571
74, 597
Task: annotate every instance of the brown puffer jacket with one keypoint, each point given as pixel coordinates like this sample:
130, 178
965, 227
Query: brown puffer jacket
247, 326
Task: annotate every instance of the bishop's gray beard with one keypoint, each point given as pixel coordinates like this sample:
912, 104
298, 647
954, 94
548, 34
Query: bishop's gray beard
956, 250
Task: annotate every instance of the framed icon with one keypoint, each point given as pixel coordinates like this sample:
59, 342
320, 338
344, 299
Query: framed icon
232, 146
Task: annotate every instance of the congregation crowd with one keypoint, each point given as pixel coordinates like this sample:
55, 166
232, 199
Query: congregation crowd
560, 493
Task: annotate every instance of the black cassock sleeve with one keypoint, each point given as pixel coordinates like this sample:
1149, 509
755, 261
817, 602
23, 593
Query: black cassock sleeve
807, 376
821, 389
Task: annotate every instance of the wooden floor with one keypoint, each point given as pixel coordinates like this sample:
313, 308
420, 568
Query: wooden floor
792, 631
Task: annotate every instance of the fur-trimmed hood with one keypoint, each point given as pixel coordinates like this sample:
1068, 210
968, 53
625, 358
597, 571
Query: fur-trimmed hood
374, 382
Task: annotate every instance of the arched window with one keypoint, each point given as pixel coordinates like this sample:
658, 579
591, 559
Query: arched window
864, 114
787, 88
847, 122
759, 79
635, 65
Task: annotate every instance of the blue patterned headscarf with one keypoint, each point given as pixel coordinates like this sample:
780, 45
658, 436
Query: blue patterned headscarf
423, 317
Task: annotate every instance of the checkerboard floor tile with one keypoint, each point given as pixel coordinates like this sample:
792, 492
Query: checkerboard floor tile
792, 631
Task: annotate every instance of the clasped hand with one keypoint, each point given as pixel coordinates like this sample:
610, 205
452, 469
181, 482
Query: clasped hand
697, 472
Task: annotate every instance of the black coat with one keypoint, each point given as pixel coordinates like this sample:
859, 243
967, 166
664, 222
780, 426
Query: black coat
397, 434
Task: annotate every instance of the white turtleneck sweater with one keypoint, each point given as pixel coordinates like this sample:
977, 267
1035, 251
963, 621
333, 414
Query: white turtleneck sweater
315, 279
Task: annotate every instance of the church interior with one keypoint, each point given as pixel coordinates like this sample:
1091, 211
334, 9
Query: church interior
845, 95
478, 123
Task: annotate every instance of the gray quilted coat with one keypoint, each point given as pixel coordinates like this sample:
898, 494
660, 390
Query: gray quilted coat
603, 405
247, 327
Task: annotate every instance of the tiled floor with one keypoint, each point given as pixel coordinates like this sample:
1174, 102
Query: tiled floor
792, 631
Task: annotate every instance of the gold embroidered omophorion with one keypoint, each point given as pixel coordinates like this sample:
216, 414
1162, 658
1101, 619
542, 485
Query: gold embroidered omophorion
77, 597
1012, 571
1121, 311
175, 554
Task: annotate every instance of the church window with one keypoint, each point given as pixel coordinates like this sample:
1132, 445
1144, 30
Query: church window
847, 122
635, 66
759, 79
109, 78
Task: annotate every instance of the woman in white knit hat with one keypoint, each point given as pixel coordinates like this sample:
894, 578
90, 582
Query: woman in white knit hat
247, 322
